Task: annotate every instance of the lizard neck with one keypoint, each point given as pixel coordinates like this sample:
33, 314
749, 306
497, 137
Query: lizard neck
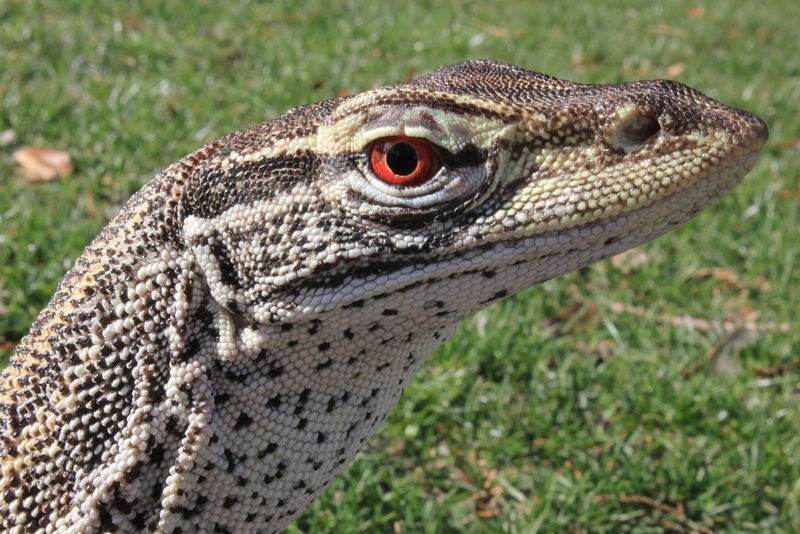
282, 418
95, 354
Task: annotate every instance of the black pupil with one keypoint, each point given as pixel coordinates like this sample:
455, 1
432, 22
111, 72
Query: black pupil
402, 159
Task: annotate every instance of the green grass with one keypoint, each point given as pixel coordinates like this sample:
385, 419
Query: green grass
554, 411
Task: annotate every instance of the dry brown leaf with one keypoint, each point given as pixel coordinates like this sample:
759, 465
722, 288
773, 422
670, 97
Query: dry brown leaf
601, 350
643, 71
701, 324
665, 29
744, 314
498, 31
7, 137
792, 143
722, 363
786, 194
231, 54
778, 369
678, 510
91, 207
676, 69
132, 23
43, 164
630, 260
574, 318
581, 62
696, 12
172, 107
728, 277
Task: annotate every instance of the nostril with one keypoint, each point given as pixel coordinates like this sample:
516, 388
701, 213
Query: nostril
631, 129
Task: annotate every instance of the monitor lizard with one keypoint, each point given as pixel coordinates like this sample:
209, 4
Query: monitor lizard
226, 345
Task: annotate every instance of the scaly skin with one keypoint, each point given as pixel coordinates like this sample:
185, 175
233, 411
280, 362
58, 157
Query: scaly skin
223, 349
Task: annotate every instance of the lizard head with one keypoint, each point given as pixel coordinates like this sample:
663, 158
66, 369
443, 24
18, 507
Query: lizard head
484, 178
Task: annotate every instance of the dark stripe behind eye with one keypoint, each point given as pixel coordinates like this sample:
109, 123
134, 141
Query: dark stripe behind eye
468, 156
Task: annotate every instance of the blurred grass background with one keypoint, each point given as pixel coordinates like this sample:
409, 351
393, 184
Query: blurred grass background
657, 392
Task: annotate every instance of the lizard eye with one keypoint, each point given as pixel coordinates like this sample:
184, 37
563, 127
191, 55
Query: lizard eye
402, 160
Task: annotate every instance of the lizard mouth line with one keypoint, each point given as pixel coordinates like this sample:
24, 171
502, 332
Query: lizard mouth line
721, 178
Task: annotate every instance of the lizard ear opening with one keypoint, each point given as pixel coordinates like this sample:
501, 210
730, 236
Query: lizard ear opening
632, 129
